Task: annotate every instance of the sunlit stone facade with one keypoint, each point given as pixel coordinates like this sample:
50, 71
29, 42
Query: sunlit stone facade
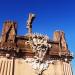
33, 53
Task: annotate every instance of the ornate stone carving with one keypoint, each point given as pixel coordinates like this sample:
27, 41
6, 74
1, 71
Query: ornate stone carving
40, 47
39, 67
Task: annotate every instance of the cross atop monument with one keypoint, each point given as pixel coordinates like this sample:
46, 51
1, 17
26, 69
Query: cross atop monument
29, 22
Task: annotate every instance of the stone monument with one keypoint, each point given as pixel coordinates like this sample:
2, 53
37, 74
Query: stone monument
33, 53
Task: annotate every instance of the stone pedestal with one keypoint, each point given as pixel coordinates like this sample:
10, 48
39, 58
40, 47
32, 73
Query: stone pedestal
21, 67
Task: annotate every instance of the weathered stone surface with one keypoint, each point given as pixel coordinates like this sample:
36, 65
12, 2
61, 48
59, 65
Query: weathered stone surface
33, 54
9, 32
21, 67
29, 22
60, 37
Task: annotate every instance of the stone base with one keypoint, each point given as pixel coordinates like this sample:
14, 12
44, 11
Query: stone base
21, 67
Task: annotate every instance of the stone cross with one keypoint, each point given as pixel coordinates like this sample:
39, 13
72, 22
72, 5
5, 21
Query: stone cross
29, 22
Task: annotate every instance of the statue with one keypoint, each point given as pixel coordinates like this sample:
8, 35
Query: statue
12, 34
60, 37
5, 30
8, 32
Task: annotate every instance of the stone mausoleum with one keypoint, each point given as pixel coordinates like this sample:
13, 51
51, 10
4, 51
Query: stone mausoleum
33, 53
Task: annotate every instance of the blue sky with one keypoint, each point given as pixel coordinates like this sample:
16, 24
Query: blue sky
51, 15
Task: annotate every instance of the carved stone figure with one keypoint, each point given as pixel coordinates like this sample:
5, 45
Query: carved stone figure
40, 47
12, 34
63, 41
60, 36
8, 32
5, 30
